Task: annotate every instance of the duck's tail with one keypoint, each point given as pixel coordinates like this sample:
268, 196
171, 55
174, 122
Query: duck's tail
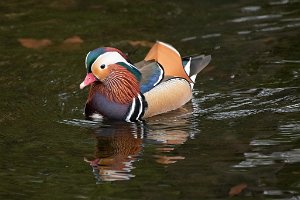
194, 65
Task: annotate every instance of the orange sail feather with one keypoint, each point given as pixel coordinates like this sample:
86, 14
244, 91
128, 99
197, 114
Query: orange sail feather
169, 58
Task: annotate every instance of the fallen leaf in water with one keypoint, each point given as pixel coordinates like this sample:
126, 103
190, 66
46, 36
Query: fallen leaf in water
71, 43
73, 40
34, 43
142, 43
236, 190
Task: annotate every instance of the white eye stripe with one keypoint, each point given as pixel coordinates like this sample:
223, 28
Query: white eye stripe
87, 55
110, 58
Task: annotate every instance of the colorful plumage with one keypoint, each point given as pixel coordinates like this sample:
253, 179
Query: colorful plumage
162, 82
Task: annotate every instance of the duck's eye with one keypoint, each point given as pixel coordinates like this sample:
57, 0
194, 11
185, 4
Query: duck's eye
102, 66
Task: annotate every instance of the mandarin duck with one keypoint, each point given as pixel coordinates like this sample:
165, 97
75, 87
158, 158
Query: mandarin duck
120, 90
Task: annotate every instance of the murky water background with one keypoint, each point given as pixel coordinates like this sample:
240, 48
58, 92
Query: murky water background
239, 136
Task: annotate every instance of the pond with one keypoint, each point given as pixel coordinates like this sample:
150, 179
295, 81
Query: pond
238, 137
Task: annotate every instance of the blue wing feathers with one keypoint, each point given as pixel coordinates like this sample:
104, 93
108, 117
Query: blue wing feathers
152, 74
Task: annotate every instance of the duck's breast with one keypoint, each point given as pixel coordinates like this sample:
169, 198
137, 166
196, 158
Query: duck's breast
102, 105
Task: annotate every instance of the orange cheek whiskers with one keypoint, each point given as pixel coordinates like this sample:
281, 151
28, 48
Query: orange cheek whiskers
119, 85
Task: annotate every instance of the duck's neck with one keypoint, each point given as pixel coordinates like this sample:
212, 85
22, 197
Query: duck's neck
119, 87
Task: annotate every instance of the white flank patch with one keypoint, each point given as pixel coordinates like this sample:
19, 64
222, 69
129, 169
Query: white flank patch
193, 78
141, 107
192, 85
131, 111
169, 46
187, 67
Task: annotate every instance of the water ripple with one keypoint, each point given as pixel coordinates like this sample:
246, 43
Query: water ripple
263, 142
287, 133
253, 18
287, 61
249, 102
259, 159
212, 35
233, 114
251, 8
280, 2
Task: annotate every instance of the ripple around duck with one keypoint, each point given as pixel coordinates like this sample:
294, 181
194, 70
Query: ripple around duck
119, 144
80, 123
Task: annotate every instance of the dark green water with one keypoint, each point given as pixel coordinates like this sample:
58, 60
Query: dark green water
240, 133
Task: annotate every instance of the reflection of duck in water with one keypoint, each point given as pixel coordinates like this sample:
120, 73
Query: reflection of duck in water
117, 148
168, 141
119, 145
173, 130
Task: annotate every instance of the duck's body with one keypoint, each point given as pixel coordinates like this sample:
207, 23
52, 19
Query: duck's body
123, 91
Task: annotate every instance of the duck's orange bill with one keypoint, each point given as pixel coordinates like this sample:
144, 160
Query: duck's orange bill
89, 79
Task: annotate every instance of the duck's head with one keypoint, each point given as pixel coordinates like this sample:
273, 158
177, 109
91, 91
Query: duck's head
106, 64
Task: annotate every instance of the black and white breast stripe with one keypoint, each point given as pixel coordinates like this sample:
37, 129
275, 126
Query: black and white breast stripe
137, 109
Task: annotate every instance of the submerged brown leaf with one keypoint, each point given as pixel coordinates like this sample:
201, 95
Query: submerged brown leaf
237, 189
35, 43
71, 43
73, 40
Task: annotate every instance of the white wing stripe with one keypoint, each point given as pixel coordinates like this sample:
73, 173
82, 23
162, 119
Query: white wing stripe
160, 76
131, 111
140, 108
